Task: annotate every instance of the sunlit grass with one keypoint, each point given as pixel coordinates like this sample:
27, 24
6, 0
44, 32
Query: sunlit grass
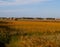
33, 34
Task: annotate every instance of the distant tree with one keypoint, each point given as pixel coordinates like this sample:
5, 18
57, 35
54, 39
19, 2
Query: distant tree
28, 18
40, 18
50, 18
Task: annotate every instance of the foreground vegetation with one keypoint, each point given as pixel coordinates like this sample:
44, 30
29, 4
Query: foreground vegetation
30, 33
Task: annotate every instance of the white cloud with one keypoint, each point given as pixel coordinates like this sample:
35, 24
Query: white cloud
20, 2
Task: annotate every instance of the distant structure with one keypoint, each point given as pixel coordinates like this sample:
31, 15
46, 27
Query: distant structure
27, 18
50, 18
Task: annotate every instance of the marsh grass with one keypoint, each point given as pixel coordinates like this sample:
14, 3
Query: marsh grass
30, 34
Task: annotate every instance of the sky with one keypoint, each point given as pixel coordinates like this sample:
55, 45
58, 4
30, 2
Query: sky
30, 8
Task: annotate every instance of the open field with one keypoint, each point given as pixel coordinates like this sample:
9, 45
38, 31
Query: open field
27, 33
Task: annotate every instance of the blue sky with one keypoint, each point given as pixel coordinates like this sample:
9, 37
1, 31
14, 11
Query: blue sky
30, 8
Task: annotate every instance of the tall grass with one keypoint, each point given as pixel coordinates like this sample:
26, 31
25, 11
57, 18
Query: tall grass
31, 34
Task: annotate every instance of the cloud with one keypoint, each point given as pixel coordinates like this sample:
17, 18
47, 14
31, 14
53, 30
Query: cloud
14, 2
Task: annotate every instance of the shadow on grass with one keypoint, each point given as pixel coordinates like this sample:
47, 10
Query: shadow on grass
5, 35
2, 44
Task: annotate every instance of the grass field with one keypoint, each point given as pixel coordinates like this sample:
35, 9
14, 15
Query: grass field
27, 33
